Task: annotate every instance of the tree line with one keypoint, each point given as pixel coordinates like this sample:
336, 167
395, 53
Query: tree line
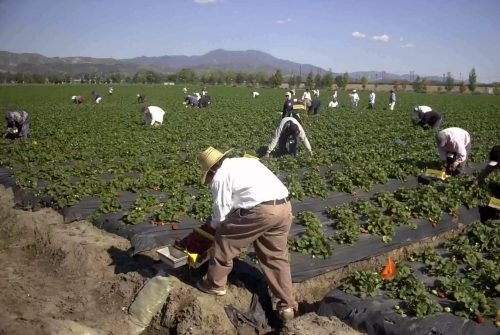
227, 77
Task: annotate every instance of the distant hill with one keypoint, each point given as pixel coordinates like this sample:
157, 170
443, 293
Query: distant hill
246, 61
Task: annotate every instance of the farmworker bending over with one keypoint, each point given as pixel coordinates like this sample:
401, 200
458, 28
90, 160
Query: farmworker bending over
286, 136
250, 207
18, 125
333, 103
184, 90
141, 98
453, 148
492, 165
205, 101
97, 97
354, 98
334, 95
255, 95
371, 100
429, 119
392, 100
419, 110
77, 99
191, 100
110, 91
153, 115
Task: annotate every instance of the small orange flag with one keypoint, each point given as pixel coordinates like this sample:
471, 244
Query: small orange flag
389, 270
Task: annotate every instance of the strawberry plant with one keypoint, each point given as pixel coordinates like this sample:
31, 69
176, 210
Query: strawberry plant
363, 283
294, 187
314, 185
313, 242
345, 221
142, 205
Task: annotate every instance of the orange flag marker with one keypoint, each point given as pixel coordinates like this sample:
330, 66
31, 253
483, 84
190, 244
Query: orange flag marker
389, 270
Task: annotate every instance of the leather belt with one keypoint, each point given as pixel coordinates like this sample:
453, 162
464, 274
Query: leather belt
275, 202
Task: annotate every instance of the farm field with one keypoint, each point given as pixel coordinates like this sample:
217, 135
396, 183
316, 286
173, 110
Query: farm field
80, 152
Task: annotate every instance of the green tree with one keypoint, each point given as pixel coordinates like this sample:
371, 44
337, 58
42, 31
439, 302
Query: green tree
450, 82
339, 81
291, 81
186, 75
364, 82
310, 80
462, 87
277, 79
345, 79
317, 80
240, 78
472, 80
327, 80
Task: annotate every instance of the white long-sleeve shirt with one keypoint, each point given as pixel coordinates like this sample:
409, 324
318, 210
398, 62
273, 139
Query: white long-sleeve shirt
306, 95
423, 109
154, 114
243, 183
354, 97
371, 98
459, 139
277, 134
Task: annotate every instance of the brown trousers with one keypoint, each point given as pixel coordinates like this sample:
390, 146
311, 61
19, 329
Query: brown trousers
267, 227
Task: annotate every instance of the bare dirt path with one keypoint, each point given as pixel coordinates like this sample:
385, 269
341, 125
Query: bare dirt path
74, 278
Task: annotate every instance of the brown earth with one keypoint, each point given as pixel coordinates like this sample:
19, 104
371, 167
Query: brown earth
74, 278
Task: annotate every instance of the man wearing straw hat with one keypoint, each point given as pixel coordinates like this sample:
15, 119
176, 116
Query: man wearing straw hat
250, 206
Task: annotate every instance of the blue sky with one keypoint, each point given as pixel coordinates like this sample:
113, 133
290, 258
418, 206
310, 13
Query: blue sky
398, 36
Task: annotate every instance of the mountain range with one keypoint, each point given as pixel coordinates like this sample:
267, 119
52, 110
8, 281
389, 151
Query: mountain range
244, 61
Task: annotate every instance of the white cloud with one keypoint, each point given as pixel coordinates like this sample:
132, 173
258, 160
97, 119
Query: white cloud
357, 34
202, 2
381, 38
408, 45
284, 21
401, 39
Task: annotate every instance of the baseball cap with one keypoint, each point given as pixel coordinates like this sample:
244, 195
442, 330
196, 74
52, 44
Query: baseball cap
494, 156
441, 138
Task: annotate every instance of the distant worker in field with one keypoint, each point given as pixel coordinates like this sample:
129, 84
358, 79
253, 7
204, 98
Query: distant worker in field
18, 125
110, 90
153, 116
205, 101
333, 103
371, 100
306, 99
250, 208
453, 147
191, 100
292, 91
287, 105
141, 98
354, 99
334, 95
492, 164
292, 108
424, 116
392, 100
204, 91
255, 95
287, 136
184, 90
97, 97
315, 104
78, 99
316, 92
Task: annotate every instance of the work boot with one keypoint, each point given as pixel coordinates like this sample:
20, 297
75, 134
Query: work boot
204, 286
286, 313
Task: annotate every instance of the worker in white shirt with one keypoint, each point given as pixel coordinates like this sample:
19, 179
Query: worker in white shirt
334, 95
453, 147
418, 110
333, 104
306, 99
371, 100
255, 95
286, 137
250, 206
184, 90
153, 115
110, 90
354, 98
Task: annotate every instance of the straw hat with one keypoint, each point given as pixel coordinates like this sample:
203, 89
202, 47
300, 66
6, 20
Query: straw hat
209, 158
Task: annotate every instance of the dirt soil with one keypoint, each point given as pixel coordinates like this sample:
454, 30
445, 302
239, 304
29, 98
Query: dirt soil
74, 278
